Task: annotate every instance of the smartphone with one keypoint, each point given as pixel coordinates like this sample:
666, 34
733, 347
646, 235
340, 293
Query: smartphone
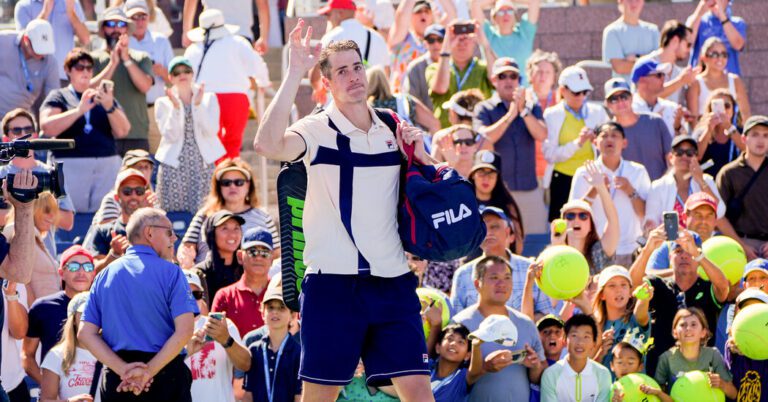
107, 85
459, 29
718, 106
215, 316
671, 225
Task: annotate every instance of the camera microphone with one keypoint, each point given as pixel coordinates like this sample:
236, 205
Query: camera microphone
39, 145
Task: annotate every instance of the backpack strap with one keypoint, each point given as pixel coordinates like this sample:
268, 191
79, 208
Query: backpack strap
95, 381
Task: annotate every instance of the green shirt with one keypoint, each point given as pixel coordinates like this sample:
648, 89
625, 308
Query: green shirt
672, 364
477, 78
133, 101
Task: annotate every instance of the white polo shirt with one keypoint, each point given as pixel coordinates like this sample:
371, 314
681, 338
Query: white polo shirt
663, 107
340, 191
630, 224
228, 65
351, 29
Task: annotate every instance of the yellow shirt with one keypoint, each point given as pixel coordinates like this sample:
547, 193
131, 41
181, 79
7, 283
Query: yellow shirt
569, 132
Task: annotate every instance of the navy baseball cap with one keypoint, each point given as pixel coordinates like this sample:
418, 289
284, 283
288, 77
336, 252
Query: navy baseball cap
435, 29
257, 237
615, 85
494, 211
646, 66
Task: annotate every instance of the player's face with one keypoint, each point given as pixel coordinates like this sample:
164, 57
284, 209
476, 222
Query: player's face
348, 83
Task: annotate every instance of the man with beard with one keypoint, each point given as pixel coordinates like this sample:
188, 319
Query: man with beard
130, 70
107, 241
676, 40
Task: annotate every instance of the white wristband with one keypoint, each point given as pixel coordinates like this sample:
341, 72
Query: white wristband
13, 297
699, 257
128, 63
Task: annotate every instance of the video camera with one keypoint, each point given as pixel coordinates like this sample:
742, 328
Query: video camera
51, 179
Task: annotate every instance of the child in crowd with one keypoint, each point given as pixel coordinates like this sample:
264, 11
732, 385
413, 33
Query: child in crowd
691, 332
750, 377
577, 377
358, 390
628, 356
552, 334
450, 377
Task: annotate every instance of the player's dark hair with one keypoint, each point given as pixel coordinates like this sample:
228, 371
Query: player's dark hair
335, 47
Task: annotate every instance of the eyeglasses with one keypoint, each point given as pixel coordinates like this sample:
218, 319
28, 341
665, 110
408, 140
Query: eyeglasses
21, 130
73, 266
717, 55
512, 76
620, 97
507, 11
198, 294
228, 182
115, 24
140, 17
468, 142
689, 152
127, 191
433, 39
580, 93
180, 71
168, 231
486, 173
583, 216
82, 67
255, 252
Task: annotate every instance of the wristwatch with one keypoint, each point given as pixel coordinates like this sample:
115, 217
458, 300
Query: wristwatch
113, 108
725, 21
229, 343
445, 54
633, 195
731, 130
13, 297
128, 63
699, 257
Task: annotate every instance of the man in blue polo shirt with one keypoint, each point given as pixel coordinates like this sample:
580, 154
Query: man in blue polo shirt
358, 295
145, 311
513, 126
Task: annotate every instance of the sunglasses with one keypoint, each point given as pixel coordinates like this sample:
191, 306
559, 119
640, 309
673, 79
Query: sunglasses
140, 17
505, 12
620, 97
229, 182
179, 71
580, 93
115, 24
717, 55
198, 294
254, 252
127, 191
689, 152
73, 266
464, 141
21, 130
433, 39
82, 67
168, 231
571, 216
512, 76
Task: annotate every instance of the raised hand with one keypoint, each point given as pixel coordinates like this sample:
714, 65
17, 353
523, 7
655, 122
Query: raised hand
87, 101
434, 314
656, 237
80, 398
532, 358
586, 134
302, 56
118, 244
595, 176
172, 97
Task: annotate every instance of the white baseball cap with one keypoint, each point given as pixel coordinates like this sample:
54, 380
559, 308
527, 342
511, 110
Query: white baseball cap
751, 294
496, 328
193, 279
40, 34
575, 79
611, 272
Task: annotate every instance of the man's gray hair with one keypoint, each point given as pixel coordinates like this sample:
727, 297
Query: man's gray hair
140, 219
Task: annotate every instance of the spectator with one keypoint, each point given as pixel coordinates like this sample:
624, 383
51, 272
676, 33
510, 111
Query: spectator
577, 376
717, 133
502, 380
675, 46
15, 322
714, 18
153, 292
457, 147
214, 351
648, 77
221, 268
458, 69
188, 119
236, 12
569, 135
137, 159
415, 80
628, 38
598, 247
406, 106
30, 70
464, 293
45, 278
65, 18
229, 68
671, 191
691, 333
647, 134
47, 314
159, 49
742, 368
69, 370
158, 23
451, 379
682, 290
91, 117
241, 301
492, 192
629, 187
131, 72
282, 382
552, 333
741, 184
108, 241
543, 69
714, 76
461, 110
507, 36
406, 37
341, 16
513, 125
232, 188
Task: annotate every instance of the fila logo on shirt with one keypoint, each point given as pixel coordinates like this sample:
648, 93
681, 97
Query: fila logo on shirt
450, 217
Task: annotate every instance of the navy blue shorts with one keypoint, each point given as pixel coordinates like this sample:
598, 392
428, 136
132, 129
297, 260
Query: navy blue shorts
347, 317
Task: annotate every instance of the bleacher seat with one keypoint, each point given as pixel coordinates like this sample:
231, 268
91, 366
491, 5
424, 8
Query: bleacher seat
79, 229
534, 244
180, 222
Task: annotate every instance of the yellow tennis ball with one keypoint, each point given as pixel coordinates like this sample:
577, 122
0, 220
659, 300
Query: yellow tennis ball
630, 387
750, 331
694, 386
727, 254
560, 225
426, 297
565, 273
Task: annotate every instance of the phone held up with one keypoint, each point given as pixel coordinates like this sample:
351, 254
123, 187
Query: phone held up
671, 225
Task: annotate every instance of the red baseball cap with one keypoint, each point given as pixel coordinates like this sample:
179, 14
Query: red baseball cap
696, 200
73, 251
337, 5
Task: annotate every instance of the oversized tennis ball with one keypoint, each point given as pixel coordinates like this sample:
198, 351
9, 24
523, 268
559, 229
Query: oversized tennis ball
694, 386
727, 255
750, 331
630, 387
427, 296
565, 273
560, 225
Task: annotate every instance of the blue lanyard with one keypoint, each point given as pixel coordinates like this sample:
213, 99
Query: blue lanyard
25, 69
460, 82
731, 156
271, 382
690, 191
581, 114
88, 127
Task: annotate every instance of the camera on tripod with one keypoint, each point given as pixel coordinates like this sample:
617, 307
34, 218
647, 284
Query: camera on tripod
51, 179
